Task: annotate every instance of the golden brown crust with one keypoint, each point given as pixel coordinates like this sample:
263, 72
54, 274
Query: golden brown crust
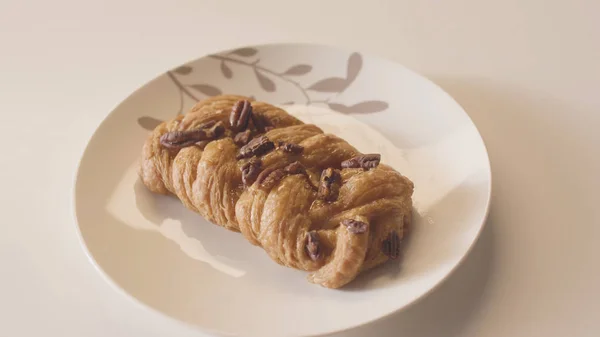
280, 209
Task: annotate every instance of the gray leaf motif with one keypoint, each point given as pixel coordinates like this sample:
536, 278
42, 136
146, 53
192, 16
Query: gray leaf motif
362, 107
299, 69
206, 89
245, 52
149, 123
266, 83
183, 70
354, 65
226, 70
332, 84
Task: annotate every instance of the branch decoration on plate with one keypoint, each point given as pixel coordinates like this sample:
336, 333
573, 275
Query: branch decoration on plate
265, 77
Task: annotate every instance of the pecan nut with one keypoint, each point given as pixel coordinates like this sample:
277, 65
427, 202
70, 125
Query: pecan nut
366, 161
313, 245
291, 147
242, 138
181, 139
250, 171
258, 123
295, 168
240, 115
391, 246
256, 147
268, 178
330, 184
355, 226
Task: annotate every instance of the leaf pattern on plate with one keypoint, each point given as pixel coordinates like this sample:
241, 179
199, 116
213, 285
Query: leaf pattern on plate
338, 107
246, 52
206, 89
362, 107
149, 123
354, 67
299, 69
266, 83
331, 84
334, 85
183, 70
225, 70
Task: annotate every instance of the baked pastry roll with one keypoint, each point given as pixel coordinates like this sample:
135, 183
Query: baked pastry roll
309, 199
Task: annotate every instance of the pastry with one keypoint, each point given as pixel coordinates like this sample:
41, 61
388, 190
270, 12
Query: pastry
309, 199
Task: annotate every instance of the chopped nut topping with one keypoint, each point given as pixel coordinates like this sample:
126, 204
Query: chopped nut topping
291, 148
295, 168
329, 187
391, 246
240, 115
367, 161
250, 171
313, 245
181, 139
256, 147
258, 123
242, 138
355, 226
268, 178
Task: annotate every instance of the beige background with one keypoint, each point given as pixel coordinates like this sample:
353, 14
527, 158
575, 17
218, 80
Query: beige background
527, 72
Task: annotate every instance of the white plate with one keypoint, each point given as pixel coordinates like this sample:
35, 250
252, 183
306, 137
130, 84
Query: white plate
175, 262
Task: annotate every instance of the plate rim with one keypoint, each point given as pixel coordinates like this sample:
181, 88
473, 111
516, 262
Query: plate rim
195, 327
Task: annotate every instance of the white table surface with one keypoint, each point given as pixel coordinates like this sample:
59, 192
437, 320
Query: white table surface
527, 72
